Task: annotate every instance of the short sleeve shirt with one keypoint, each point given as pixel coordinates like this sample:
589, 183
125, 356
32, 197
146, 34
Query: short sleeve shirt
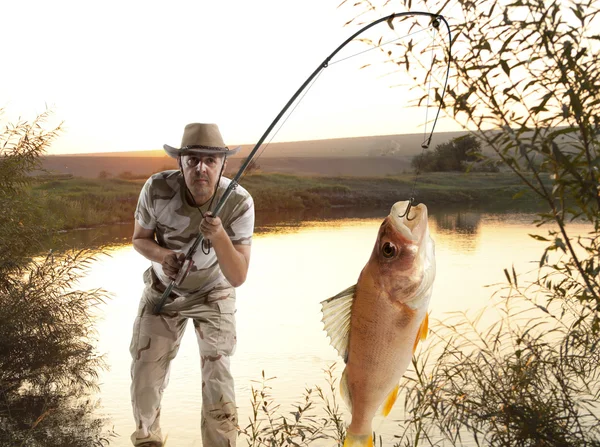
162, 207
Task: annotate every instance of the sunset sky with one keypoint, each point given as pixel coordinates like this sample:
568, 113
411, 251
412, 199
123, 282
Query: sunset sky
128, 75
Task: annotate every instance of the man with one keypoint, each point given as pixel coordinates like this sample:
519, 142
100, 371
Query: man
173, 207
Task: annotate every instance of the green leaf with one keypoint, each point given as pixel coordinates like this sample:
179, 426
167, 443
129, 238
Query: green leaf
507, 276
519, 194
563, 160
389, 22
560, 244
544, 258
557, 133
537, 237
541, 106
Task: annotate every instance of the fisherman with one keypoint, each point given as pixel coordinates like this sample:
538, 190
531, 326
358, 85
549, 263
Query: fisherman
173, 207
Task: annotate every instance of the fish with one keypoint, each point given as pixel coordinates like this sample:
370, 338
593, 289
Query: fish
376, 324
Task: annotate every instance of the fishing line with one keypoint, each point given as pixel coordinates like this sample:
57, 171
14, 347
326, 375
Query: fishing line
427, 140
287, 117
319, 75
436, 19
425, 144
429, 89
378, 46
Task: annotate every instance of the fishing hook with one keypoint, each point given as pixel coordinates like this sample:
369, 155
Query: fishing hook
234, 182
406, 213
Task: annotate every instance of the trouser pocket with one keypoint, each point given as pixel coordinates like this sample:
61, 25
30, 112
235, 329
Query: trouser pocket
227, 333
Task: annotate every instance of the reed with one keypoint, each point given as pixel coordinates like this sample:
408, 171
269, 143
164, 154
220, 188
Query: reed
316, 416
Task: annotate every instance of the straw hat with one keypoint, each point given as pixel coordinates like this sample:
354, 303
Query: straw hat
201, 139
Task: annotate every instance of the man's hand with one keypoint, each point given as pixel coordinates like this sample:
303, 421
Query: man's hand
211, 227
171, 264
233, 259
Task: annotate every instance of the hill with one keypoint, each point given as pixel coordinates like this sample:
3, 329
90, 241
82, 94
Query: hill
360, 156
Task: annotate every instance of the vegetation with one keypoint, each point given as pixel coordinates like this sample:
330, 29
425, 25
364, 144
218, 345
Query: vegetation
252, 168
267, 427
459, 154
530, 69
48, 363
75, 202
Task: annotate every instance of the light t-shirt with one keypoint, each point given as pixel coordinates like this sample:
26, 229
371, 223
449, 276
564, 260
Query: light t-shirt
162, 207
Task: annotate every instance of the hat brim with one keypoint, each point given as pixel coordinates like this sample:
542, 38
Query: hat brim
174, 152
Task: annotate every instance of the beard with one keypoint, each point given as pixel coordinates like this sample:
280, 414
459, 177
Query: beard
201, 188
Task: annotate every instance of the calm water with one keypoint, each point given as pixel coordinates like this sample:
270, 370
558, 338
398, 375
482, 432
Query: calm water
294, 266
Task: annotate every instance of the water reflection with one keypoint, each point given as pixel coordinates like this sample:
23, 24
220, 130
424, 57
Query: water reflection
92, 238
462, 219
266, 222
458, 222
446, 219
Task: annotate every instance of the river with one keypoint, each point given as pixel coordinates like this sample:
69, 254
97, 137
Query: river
297, 261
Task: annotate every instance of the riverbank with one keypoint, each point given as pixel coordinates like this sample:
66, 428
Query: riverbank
76, 202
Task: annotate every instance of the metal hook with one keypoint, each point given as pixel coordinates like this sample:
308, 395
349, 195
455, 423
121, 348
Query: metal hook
407, 212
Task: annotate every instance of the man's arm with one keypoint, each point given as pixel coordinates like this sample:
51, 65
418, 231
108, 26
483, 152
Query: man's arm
145, 244
233, 259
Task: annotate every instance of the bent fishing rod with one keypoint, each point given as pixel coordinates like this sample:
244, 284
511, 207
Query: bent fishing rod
187, 263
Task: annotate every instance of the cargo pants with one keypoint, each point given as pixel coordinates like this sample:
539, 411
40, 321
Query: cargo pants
155, 342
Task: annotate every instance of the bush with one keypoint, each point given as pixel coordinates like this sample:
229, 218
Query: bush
454, 155
48, 363
525, 75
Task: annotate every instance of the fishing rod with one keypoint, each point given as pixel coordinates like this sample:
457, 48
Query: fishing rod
187, 263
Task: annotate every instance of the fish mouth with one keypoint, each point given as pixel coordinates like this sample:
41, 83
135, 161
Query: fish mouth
413, 228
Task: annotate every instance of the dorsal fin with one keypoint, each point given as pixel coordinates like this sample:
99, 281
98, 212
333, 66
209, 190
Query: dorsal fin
336, 319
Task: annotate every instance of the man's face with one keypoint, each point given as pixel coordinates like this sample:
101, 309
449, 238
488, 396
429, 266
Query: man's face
201, 174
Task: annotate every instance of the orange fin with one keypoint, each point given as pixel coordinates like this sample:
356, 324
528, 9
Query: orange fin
358, 440
422, 332
390, 401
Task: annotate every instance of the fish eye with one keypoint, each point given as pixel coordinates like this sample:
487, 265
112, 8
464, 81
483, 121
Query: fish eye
389, 250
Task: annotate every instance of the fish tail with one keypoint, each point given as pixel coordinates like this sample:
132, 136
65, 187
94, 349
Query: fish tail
358, 440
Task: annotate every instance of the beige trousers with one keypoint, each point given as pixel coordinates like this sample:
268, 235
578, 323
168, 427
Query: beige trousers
155, 342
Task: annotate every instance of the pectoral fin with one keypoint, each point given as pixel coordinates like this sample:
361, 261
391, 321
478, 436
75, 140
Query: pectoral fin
422, 332
336, 318
390, 401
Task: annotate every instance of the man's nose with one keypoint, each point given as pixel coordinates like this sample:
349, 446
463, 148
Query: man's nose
201, 166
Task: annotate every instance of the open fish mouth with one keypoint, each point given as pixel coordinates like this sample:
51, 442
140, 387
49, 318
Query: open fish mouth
413, 229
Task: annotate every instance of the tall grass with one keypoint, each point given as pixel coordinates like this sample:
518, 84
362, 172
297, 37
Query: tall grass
315, 417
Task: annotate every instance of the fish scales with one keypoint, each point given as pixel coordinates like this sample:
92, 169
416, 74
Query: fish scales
376, 324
